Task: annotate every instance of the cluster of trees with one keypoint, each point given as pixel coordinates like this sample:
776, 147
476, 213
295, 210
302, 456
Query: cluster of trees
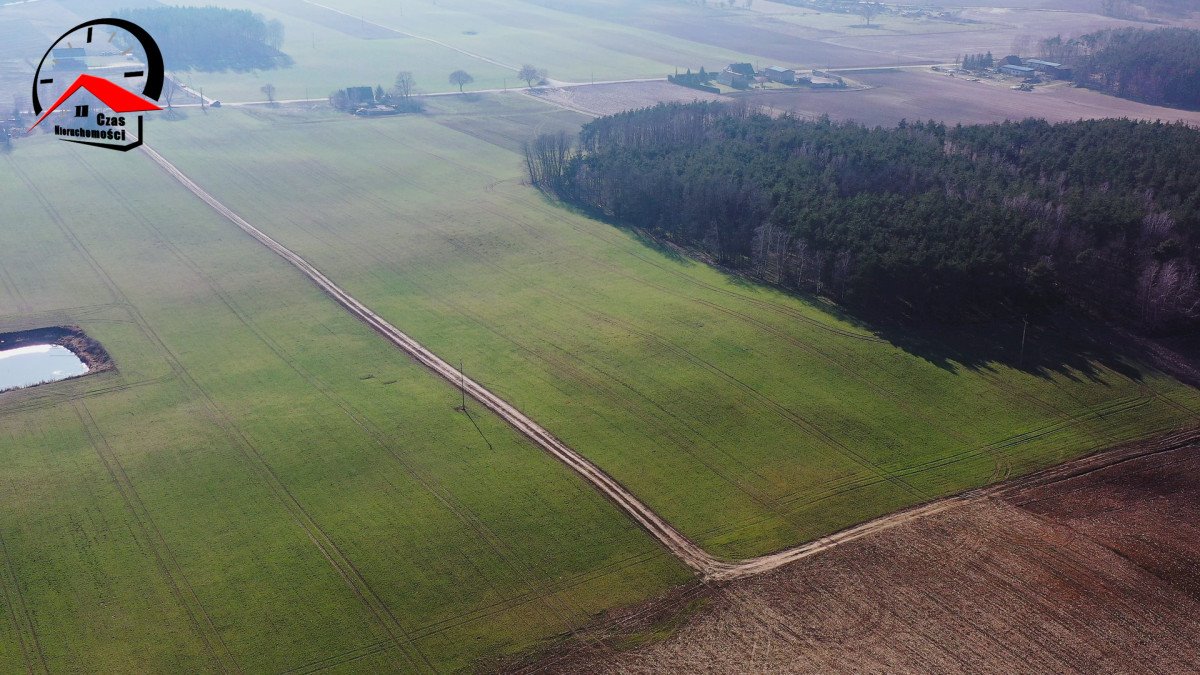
402, 97
1154, 66
699, 80
978, 61
1141, 10
919, 221
212, 38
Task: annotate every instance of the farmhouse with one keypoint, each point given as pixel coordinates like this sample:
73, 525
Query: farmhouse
731, 79
1019, 71
360, 96
745, 69
818, 82
780, 74
1050, 68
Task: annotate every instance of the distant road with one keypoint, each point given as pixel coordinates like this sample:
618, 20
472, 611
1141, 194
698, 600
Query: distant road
554, 84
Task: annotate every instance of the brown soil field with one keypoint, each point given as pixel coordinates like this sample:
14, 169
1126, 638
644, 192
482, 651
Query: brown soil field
1092, 567
1003, 29
922, 95
609, 99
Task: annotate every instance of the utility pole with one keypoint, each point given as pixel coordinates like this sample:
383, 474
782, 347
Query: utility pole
462, 384
1023, 332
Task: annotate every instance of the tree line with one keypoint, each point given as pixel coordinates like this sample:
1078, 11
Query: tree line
1160, 66
922, 221
212, 38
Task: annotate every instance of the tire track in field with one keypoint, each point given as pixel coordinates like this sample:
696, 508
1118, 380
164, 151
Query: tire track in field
802, 422
598, 383
164, 558
22, 620
247, 450
565, 363
983, 373
688, 552
683, 548
675, 541
478, 57
786, 413
468, 517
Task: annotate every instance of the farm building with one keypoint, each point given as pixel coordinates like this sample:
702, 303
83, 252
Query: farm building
1050, 68
745, 69
818, 82
360, 96
733, 79
780, 74
1019, 71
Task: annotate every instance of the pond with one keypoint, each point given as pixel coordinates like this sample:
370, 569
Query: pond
38, 364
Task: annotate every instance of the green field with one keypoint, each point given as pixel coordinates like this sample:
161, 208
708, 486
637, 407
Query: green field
489, 39
750, 419
263, 484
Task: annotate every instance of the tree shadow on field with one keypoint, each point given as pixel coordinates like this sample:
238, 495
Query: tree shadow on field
1061, 346
664, 248
1064, 345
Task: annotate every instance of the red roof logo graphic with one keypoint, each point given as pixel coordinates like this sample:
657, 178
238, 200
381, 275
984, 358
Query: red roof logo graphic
118, 99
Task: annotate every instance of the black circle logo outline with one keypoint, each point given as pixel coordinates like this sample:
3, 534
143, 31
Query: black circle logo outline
154, 60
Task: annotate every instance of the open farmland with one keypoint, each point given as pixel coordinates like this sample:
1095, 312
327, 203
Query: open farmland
260, 467
263, 483
609, 99
1094, 573
749, 419
921, 95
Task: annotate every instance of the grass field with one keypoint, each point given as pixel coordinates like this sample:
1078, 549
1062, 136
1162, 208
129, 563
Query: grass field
488, 39
749, 419
263, 483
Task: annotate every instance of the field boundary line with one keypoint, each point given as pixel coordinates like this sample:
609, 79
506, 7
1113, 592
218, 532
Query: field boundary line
167, 564
22, 621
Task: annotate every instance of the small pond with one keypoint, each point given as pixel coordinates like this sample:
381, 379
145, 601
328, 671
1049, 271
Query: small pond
38, 364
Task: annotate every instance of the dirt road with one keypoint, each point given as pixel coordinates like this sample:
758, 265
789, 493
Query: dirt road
691, 554
1091, 567
708, 566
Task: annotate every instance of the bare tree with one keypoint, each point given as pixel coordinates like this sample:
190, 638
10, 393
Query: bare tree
547, 160
169, 91
269, 90
405, 84
869, 10
461, 78
531, 74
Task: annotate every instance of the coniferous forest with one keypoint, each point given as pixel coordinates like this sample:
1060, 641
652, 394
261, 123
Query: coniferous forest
923, 221
1161, 67
212, 38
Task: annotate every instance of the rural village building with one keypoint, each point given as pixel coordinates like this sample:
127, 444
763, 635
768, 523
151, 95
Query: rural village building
1019, 71
780, 74
1050, 68
737, 75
